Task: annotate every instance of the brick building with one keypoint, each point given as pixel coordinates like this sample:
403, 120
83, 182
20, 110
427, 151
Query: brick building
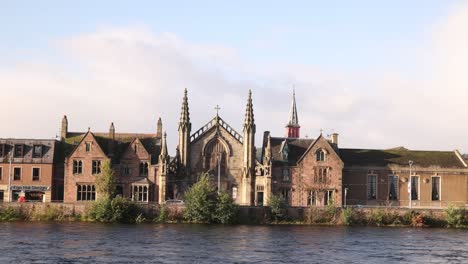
31, 171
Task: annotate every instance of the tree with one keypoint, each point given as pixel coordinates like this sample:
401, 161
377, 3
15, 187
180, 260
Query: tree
105, 182
226, 210
200, 201
278, 207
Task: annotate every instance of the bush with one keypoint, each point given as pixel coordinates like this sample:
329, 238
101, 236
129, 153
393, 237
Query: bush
278, 207
349, 216
200, 201
377, 217
226, 210
11, 214
120, 210
162, 214
455, 216
49, 213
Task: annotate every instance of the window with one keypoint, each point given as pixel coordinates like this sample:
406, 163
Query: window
96, 167
320, 155
312, 198
2, 150
435, 188
1, 173
286, 174
36, 173
18, 151
321, 175
393, 186
135, 148
37, 151
140, 193
77, 167
17, 174
85, 192
371, 187
88, 146
414, 187
328, 197
234, 192
144, 168
126, 170
285, 193
119, 190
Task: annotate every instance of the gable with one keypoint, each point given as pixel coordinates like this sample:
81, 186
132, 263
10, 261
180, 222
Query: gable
88, 146
216, 123
321, 143
136, 150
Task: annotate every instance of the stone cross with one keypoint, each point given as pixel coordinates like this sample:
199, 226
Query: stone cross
217, 109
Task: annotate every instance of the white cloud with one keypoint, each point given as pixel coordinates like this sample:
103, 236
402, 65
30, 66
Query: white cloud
132, 75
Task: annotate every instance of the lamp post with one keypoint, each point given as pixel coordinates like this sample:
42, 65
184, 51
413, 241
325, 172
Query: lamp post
409, 183
219, 172
10, 156
345, 194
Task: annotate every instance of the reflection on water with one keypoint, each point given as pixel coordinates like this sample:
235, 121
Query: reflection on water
88, 243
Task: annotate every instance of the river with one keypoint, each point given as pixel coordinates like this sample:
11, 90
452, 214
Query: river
24, 242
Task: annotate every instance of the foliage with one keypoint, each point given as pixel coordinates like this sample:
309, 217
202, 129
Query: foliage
162, 215
278, 207
105, 182
349, 216
49, 213
455, 216
120, 210
200, 201
226, 210
11, 214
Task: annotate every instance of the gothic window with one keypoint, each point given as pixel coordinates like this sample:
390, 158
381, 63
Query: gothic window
96, 167
144, 166
393, 187
371, 187
85, 192
320, 155
414, 187
436, 188
77, 167
215, 152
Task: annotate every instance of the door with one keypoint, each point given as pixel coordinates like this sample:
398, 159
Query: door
259, 198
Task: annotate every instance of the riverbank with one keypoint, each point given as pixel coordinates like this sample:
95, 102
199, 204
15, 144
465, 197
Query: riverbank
397, 217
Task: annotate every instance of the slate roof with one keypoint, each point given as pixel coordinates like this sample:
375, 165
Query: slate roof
399, 156
48, 150
296, 146
151, 142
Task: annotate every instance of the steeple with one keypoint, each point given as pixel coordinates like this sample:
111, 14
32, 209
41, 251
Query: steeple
248, 169
184, 133
111, 143
293, 127
163, 154
159, 128
162, 170
64, 128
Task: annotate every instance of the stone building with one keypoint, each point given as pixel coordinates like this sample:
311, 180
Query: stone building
139, 162
31, 171
219, 150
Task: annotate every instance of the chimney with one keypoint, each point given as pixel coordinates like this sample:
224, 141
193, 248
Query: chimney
334, 138
159, 128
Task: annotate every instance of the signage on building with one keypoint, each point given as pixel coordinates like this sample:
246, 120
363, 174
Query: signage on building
30, 188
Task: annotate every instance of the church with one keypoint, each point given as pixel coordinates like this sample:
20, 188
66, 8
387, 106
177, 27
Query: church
304, 171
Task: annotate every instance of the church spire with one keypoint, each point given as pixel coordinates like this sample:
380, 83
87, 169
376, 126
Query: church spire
248, 169
184, 133
249, 116
163, 154
293, 127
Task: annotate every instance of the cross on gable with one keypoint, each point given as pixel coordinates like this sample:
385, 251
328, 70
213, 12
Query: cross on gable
217, 108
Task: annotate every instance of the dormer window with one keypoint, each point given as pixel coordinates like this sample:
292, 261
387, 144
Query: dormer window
37, 151
320, 155
2, 150
19, 151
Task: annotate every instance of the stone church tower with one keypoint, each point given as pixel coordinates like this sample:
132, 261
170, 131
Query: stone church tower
248, 170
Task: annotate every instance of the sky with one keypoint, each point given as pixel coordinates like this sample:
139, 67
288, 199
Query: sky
382, 74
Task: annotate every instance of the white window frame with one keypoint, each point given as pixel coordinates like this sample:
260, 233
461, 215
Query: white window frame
397, 188
419, 187
440, 187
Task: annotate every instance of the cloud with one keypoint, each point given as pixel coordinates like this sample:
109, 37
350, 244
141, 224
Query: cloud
132, 75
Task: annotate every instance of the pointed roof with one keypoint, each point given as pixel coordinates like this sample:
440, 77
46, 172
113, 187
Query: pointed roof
293, 119
184, 115
249, 116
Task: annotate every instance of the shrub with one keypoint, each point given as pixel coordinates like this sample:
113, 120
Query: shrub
226, 210
455, 216
49, 213
120, 210
418, 220
278, 207
349, 216
11, 214
377, 217
162, 214
200, 201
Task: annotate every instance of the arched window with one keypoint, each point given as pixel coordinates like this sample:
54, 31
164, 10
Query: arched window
215, 152
320, 155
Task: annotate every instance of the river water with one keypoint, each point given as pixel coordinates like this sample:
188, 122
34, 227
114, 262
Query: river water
178, 243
